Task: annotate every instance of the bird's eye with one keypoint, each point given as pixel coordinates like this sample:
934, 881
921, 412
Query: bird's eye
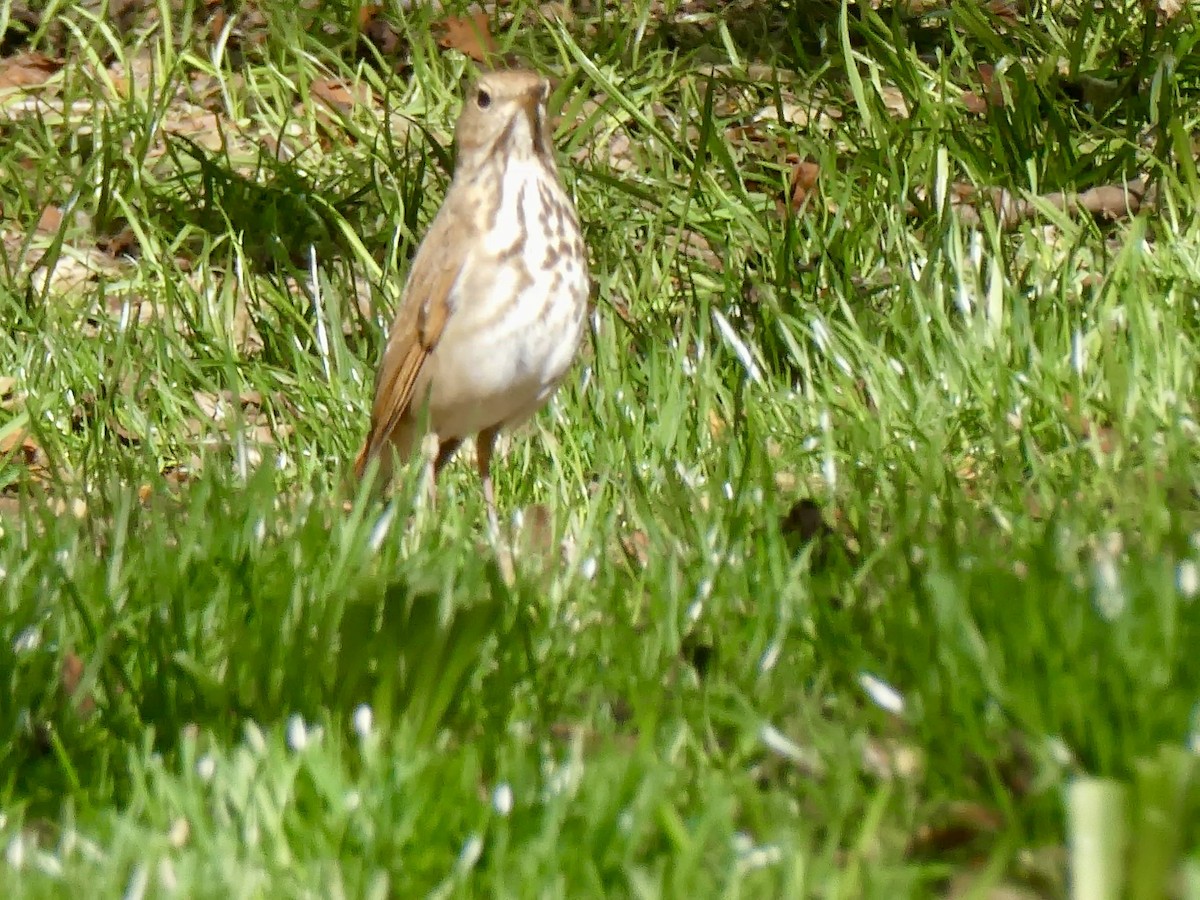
484, 99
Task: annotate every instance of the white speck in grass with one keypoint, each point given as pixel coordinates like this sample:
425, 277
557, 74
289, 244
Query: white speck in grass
178, 835
779, 743
562, 780
502, 799
260, 530
138, 882
3, 820
472, 850
975, 249
364, 721
751, 856
1187, 579
588, 568
29, 639
1078, 357
769, 658
820, 334
694, 611
299, 735
728, 488
352, 801
1108, 592
1060, 752
882, 694
382, 526
254, 737
48, 864
625, 821
167, 878
206, 767
739, 346
14, 853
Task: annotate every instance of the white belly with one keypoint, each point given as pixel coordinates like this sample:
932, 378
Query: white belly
498, 362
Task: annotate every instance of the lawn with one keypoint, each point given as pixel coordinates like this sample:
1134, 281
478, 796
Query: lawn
858, 556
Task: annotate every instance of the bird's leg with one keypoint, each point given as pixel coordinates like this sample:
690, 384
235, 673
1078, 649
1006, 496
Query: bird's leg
446, 451
483, 459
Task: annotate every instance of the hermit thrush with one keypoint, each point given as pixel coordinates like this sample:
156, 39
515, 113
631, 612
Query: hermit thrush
492, 313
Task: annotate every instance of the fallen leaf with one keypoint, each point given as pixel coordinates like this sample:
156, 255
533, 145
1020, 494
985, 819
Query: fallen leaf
974, 884
637, 547
50, 220
72, 678
367, 13
336, 94
974, 103
27, 70
716, 424
216, 24
123, 243
20, 446
378, 31
1004, 10
535, 531
803, 183
956, 826
469, 35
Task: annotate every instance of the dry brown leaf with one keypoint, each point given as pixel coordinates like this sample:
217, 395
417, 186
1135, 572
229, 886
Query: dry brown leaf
27, 70
20, 446
470, 35
894, 101
72, 679
123, 243
336, 94
535, 532
50, 220
956, 826
216, 24
1105, 436
975, 104
971, 884
716, 424
637, 546
378, 31
367, 13
552, 12
803, 183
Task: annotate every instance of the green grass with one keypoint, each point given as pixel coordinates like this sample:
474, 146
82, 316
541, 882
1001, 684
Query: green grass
217, 679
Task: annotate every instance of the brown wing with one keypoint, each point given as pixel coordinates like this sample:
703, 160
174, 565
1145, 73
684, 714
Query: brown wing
415, 331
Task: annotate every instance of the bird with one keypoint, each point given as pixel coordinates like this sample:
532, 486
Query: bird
491, 316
